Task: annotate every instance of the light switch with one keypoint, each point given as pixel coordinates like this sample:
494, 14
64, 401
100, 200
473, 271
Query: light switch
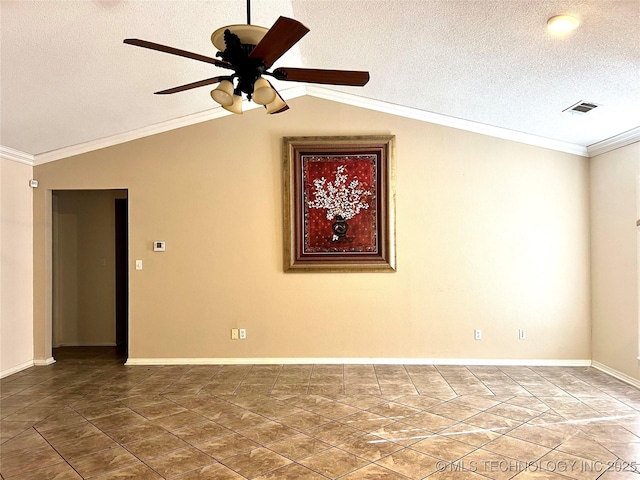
138, 264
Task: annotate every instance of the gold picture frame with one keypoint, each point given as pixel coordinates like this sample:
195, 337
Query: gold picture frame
339, 204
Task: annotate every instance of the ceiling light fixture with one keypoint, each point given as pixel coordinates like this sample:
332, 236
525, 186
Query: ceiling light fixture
250, 51
562, 23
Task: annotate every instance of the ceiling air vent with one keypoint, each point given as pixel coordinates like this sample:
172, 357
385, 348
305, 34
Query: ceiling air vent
581, 108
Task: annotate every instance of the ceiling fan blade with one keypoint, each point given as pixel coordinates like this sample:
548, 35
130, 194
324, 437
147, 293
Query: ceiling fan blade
189, 86
332, 77
283, 35
176, 51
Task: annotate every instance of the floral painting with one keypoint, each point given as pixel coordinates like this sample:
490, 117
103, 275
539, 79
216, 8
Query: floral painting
341, 213
339, 204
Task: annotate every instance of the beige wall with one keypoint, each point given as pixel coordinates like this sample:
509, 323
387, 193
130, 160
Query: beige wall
16, 268
614, 258
491, 234
84, 267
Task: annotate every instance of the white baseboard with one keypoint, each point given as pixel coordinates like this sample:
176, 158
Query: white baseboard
45, 362
616, 374
25, 365
16, 369
360, 361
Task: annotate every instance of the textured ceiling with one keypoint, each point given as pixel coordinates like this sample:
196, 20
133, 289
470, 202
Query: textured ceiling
67, 78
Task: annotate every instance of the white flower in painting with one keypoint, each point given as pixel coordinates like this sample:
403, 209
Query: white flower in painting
339, 198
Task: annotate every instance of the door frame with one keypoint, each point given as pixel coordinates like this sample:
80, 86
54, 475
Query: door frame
49, 280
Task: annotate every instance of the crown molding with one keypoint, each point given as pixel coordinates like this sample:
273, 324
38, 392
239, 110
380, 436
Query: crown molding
16, 155
619, 141
447, 121
124, 137
173, 124
346, 98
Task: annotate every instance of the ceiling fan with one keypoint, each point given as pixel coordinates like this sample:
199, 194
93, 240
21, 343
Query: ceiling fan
250, 50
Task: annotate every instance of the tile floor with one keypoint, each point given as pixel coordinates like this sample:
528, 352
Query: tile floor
88, 416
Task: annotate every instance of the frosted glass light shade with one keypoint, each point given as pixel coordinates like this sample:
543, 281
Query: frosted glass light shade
236, 105
277, 105
224, 93
562, 23
262, 92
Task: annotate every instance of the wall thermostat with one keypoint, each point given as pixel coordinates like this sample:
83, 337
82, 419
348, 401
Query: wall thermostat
159, 246
33, 183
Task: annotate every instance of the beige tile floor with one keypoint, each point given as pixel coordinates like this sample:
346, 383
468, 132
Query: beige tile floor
88, 416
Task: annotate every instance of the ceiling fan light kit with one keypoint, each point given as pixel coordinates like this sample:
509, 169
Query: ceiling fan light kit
278, 105
223, 94
236, 105
250, 51
263, 94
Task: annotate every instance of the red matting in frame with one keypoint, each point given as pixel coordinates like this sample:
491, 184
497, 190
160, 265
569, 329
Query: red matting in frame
361, 235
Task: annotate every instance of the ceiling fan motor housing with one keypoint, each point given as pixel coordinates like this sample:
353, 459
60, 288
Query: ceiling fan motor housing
247, 69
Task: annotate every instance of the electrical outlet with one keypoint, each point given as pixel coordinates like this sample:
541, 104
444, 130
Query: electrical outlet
522, 334
234, 334
477, 334
243, 333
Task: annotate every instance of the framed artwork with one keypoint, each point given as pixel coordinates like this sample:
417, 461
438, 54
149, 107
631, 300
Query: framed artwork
339, 204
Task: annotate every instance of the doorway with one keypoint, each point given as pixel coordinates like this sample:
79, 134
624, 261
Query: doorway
122, 272
90, 273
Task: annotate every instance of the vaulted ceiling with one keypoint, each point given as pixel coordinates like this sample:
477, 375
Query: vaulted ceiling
66, 78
